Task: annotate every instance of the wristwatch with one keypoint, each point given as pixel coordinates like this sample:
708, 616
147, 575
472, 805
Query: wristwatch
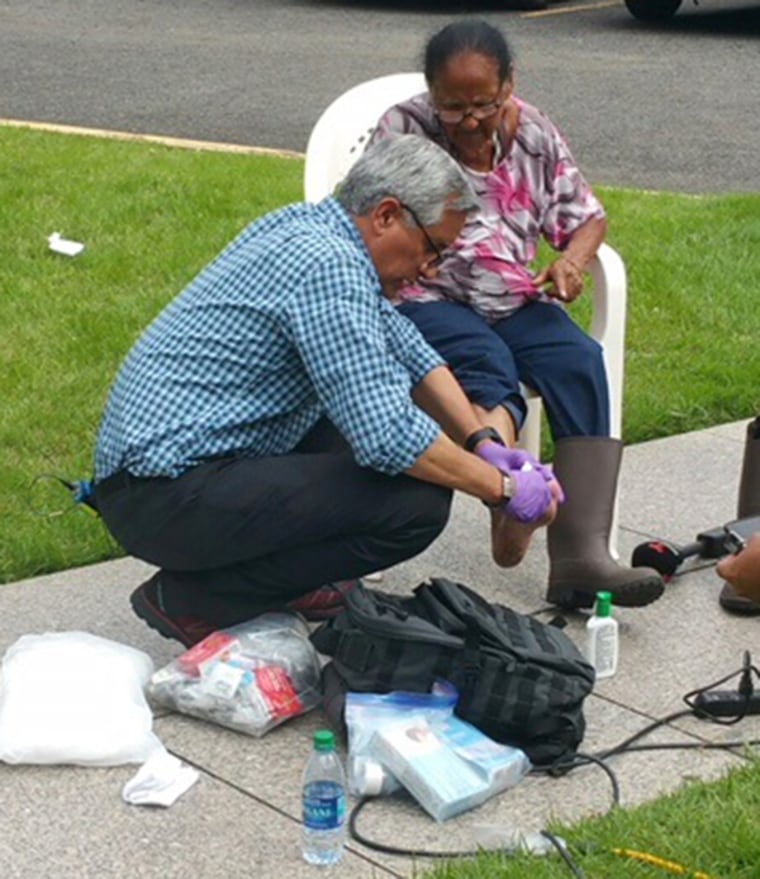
507, 491
477, 436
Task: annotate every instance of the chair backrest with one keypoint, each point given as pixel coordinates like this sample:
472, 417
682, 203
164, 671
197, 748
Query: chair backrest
342, 131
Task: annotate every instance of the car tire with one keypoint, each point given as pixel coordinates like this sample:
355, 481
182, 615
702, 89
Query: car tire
652, 10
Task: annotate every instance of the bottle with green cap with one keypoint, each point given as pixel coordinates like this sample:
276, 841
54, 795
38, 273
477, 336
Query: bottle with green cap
602, 637
324, 803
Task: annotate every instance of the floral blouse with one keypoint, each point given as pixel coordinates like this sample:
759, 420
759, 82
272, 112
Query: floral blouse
535, 189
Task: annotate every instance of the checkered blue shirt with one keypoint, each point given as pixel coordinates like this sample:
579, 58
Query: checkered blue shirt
286, 325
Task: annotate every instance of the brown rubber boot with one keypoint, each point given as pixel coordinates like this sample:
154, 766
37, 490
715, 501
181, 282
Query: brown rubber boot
578, 539
747, 505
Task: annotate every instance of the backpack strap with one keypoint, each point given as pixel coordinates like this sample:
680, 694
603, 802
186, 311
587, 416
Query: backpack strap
471, 655
445, 618
348, 646
436, 611
325, 639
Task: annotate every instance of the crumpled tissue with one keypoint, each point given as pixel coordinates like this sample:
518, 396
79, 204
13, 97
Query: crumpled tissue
160, 781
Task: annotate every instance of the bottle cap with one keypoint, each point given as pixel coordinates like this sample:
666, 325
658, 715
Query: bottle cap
324, 740
604, 604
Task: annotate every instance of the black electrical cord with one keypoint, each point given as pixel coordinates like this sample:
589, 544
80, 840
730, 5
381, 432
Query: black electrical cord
745, 689
392, 849
357, 835
578, 760
696, 746
561, 848
80, 493
626, 744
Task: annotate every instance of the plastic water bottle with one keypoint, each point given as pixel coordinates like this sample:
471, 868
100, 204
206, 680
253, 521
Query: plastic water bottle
324, 803
602, 637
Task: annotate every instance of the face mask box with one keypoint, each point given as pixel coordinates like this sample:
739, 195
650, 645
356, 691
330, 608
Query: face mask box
450, 767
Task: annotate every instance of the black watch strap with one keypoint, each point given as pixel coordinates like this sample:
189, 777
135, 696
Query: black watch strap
485, 433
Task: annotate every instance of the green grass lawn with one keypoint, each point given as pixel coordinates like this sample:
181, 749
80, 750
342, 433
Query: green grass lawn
152, 216
712, 831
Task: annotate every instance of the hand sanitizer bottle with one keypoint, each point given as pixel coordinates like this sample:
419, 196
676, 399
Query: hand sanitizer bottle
602, 637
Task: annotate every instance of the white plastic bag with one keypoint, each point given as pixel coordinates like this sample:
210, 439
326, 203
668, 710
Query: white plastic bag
250, 677
73, 697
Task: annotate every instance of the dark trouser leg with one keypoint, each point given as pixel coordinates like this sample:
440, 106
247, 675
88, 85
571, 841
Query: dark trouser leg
237, 537
480, 360
563, 364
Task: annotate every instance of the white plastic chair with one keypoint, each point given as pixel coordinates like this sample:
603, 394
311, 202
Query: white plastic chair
339, 138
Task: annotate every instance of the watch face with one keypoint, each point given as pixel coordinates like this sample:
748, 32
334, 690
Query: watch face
507, 489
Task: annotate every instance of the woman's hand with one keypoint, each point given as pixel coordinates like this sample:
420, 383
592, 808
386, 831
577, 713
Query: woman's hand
742, 570
565, 278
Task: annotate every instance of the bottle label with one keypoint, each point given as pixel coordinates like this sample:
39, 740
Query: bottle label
603, 650
324, 805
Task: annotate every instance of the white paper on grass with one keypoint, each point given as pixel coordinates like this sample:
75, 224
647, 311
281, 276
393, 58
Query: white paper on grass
64, 245
75, 698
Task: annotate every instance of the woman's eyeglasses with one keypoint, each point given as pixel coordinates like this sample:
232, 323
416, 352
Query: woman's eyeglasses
456, 115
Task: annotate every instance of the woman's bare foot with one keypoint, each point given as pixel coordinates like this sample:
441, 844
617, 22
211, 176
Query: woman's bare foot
510, 539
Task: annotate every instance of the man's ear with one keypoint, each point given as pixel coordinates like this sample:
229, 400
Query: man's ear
386, 214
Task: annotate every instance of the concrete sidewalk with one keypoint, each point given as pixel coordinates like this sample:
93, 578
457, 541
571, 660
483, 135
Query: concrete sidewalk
242, 818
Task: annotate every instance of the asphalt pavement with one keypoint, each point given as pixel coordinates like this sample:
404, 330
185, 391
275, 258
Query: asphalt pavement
669, 106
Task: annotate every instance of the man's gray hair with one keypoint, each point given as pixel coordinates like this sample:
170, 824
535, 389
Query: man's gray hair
412, 169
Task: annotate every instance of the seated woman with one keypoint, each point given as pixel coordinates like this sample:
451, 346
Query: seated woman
497, 323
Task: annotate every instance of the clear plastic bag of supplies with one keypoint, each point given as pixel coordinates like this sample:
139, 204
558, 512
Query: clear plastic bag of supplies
365, 713
251, 677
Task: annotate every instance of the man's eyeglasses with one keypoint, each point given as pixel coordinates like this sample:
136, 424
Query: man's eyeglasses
438, 254
454, 116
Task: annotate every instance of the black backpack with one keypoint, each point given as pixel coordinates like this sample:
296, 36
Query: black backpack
520, 681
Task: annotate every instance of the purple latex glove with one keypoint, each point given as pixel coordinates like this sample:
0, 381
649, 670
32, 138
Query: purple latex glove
521, 458
532, 496
504, 458
523, 468
507, 460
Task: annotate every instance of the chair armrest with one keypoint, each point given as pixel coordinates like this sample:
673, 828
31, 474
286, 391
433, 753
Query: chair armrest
608, 324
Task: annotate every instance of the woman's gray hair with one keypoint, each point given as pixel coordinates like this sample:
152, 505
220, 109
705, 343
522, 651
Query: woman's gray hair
412, 169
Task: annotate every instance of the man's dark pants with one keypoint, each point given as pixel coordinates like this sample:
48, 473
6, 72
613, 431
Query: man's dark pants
235, 537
